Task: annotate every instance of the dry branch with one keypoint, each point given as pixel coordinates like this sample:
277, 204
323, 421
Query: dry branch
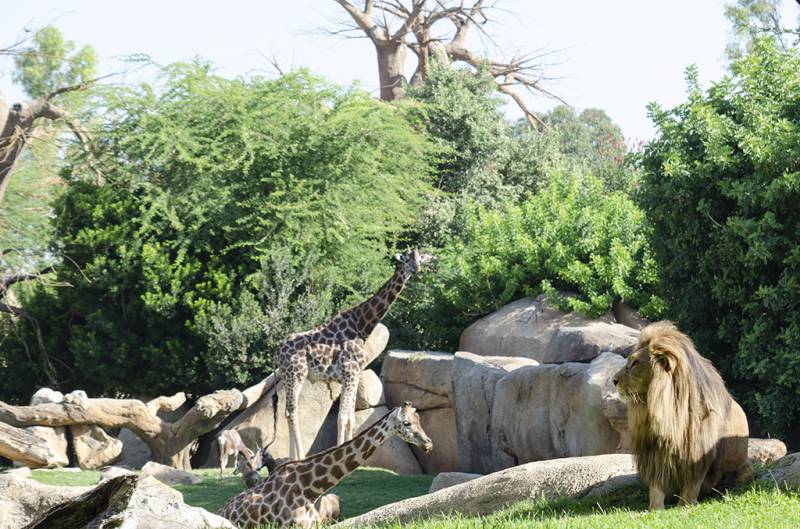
21, 445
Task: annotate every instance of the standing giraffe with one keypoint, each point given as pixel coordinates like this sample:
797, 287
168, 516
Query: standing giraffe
287, 497
335, 351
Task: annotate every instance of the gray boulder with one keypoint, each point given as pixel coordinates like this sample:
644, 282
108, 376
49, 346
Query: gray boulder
785, 473
370, 391
571, 477
56, 438
168, 475
553, 411
534, 328
22, 499
451, 479
425, 379
474, 379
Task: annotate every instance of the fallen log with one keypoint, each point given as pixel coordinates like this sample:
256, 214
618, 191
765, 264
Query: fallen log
24, 447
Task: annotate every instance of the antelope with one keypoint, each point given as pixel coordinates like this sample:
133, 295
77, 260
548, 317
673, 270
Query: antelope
230, 444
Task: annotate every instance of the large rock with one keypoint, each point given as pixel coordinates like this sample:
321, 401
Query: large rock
451, 479
553, 411
535, 329
785, 473
168, 475
765, 451
370, 391
21, 499
572, 477
473, 380
135, 452
94, 448
150, 505
56, 438
257, 427
425, 379
395, 454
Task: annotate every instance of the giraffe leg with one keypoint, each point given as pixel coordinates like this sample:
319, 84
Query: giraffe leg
294, 384
347, 406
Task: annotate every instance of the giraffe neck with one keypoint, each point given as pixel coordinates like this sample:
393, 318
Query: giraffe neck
369, 313
330, 467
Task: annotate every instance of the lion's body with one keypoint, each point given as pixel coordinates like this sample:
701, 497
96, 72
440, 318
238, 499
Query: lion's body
688, 434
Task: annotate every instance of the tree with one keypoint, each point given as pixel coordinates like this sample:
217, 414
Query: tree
438, 29
720, 187
48, 69
753, 19
237, 211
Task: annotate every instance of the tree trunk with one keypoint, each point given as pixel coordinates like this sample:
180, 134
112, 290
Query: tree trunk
24, 447
391, 69
170, 443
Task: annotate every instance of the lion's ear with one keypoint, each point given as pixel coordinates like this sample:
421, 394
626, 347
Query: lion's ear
664, 358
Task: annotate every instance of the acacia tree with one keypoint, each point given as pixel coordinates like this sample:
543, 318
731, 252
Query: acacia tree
48, 68
438, 29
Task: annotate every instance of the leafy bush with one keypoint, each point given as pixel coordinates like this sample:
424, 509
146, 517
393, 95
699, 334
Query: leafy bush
571, 236
235, 211
722, 188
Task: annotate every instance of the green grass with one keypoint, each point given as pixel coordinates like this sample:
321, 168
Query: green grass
753, 507
364, 490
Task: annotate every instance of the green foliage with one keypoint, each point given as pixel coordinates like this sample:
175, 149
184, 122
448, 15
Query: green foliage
756, 19
571, 236
235, 211
722, 187
53, 62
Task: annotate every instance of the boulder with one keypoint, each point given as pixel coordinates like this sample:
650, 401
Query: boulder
46, 396
785, 473
451, 479
429, 372
55, 438
553, 411
473, 381
168, 475
22, 499
571, 477
627, 315
94, 448
17, 472
112, 472
395, 454
128, 501
765, 451
534, 328
135, 452
370, 391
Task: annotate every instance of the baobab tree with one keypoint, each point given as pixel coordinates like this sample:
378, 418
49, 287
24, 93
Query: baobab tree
438, 29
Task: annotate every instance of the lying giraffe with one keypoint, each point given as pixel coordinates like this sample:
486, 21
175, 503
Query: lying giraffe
335, 351
287, 497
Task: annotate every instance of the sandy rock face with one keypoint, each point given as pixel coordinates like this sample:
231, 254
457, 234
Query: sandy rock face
425, 379
572, 477
474, 379
534, 328
765, 451
94, 448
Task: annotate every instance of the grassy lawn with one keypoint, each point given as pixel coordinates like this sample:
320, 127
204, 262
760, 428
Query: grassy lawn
362, 491
752, 507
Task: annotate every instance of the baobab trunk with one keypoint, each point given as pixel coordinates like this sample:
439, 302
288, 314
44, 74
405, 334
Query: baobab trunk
391, 68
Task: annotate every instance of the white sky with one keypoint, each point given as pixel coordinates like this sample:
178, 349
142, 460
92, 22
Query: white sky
617, 55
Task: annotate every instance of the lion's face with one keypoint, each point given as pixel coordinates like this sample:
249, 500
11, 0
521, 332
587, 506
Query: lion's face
634, 378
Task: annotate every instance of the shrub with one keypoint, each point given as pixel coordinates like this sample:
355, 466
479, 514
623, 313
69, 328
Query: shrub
722, 188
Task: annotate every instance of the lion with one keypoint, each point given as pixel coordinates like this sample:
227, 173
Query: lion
689, 436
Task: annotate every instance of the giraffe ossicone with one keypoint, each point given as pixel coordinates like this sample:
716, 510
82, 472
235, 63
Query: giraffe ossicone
292, 495
335, 351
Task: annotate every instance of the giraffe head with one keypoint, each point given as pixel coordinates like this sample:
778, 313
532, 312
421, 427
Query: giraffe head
412, 261
405, 424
